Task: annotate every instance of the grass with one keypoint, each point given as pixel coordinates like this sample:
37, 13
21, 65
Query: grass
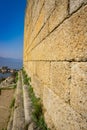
37, 113
12, 103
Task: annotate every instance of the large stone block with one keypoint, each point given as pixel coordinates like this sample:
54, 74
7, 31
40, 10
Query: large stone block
67, 42
75, 4
60, 79
37, 86
36, 11
78, 92
39, 23
62, 115
49, 7
43, 71
43, 33
59, 14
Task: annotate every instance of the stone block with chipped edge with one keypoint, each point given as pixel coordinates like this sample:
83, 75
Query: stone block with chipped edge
78, 91
59, 14
67, 42
60, 73
75, 4
62, 115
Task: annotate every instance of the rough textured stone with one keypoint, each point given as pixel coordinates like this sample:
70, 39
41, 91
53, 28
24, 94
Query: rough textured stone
43, 33
36, 11
55, 55
18, 118
62, 115
27, 105
5, 101
58, 14
49, 7
75, 4
60, 79
79, 87
42, 71
49, 121
39, 23
38, 86
68, 42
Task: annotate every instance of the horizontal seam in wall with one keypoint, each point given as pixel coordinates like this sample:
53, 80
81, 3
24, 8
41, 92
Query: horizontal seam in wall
55, 27
55, 61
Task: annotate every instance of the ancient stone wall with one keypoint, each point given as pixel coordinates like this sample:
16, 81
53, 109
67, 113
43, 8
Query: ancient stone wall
55, 56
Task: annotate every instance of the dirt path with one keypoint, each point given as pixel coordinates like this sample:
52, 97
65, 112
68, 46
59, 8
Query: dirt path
5, 101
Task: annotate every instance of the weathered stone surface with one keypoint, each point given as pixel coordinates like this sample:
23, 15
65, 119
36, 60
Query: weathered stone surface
5, 102
75, 4
68, 42
27, 105
49, 121
36, 11
55, 57
59, 14
78, 92
39, 23
18, 118
37, 86
49, 7
43, 33
42, 71
60, 79
62, 115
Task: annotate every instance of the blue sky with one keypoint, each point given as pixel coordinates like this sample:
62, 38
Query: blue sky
12, 28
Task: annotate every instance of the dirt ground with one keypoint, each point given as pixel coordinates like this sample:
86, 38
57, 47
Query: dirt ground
5, 101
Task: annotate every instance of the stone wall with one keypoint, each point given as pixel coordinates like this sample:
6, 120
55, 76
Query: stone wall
55, 56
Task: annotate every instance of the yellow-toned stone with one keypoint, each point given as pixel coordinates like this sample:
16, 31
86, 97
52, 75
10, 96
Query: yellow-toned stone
49, 7
43, 33
62, 115
68, 42
60, 74
75, 4
78, 91
37, 86
49, 121
59, 14
39, 23
43, 71
36, 11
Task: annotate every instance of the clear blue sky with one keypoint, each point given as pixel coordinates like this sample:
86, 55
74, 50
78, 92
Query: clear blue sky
12, 28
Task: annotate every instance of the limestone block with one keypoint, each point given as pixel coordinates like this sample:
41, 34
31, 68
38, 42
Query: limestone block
27, 105
37, 86
48, 121
43, 33
78, 91
43, 71
49, 7
62, 115
67, 42
39, 23
75, 4
60, 79
32, 67
36, 11
59, 14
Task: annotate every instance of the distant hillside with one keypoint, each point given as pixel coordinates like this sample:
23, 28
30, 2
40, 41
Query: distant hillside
11, 63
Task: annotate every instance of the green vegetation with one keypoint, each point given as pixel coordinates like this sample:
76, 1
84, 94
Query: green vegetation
4, 129
12, 103
16, 77
37, 113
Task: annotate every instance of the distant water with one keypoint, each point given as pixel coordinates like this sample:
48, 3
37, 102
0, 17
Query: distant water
4, 75
11, 63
